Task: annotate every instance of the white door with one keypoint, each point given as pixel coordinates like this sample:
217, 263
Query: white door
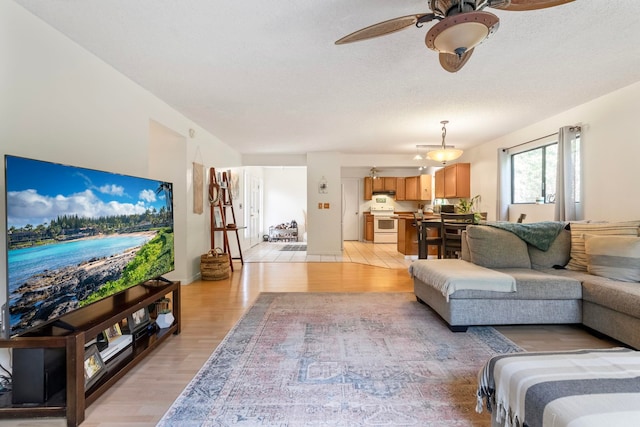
255, 215
350, 209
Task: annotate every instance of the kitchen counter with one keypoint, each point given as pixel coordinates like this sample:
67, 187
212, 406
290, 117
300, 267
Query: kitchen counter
427, 216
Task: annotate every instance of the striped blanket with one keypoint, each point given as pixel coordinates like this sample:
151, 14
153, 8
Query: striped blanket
583, 388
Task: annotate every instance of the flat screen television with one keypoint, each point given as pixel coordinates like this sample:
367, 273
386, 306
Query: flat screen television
76, 236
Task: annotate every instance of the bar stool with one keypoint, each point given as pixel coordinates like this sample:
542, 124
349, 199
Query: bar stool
427, 237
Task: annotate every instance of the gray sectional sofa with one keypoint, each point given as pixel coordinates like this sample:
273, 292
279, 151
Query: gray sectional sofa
587, 275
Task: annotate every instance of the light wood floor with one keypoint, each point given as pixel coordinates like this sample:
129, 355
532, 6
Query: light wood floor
211, 308
379, 254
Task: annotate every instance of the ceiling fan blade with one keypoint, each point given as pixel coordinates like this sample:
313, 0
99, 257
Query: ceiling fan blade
386, 27
522, 5
452, 62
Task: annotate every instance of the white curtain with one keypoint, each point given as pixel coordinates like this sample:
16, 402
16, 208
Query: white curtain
567, 180
504, 185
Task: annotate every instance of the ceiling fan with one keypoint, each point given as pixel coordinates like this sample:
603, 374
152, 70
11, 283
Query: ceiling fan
462, 26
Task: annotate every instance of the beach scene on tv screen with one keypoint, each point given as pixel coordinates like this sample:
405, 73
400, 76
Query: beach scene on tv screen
76, 236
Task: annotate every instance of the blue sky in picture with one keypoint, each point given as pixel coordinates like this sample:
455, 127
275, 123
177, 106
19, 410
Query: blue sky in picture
39, 191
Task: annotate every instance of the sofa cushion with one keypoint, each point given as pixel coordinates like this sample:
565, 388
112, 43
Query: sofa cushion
494, 248
530, 285
557, 254
615, 257
614, 294
578, 261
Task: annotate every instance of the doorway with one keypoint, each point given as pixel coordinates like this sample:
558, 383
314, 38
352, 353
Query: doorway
254, 211
350, 209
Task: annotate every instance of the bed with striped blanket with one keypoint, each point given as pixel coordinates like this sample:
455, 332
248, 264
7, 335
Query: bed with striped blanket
582, 388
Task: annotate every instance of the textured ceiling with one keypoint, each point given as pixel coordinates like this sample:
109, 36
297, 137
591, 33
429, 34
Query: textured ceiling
266, 77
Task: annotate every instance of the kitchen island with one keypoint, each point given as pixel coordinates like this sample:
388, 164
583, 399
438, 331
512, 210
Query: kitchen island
408, 233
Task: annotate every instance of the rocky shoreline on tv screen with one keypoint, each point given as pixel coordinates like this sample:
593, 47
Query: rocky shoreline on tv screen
50, 294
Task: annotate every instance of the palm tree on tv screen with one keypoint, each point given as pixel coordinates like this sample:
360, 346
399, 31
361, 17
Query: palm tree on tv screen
167, 189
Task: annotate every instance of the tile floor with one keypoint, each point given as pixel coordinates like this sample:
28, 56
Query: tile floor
378, 254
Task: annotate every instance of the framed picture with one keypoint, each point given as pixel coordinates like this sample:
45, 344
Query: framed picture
113, 332
217, 217
138, 320
94, 367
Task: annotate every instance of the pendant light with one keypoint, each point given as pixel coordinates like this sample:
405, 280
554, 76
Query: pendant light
446, 153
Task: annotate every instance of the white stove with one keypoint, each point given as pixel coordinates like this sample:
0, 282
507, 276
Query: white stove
385, 228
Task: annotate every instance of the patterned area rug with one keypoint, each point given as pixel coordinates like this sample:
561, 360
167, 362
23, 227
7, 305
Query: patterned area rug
294, 248
340, 359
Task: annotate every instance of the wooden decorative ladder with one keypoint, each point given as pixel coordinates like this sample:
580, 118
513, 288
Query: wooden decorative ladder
221, 200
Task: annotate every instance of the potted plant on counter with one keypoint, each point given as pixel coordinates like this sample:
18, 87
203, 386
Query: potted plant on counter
470, 206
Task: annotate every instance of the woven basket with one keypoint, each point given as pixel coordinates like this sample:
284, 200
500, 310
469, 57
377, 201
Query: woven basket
214, 265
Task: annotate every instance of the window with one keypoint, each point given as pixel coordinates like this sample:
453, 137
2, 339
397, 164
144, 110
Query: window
533, 174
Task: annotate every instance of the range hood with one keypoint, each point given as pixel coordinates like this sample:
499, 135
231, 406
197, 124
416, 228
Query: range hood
385, 192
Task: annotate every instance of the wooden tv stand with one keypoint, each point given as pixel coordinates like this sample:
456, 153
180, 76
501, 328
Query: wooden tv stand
88, 323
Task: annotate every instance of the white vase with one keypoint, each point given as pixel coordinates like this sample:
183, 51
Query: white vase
164, 320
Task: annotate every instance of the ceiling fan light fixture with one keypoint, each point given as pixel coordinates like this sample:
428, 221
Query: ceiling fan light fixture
459, 33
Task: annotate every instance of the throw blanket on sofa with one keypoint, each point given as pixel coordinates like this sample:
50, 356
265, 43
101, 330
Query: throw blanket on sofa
596, 387
450, 275
539, 234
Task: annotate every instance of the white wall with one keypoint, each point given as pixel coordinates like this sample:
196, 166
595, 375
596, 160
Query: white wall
166, 148
285, 197
60, 103
324, 228
611, 148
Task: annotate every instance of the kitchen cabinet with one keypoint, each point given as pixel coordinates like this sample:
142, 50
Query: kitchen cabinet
424, 188
407, 236
439, 190
411, 188
418, 188
368, 227
457, 180
453, 181
371, 185
389, 183
368, 188
400, 189
378, 184
385, 183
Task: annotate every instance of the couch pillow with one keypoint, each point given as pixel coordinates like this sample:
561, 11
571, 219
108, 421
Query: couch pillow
615, 257
578, 261
495, 248
557, 254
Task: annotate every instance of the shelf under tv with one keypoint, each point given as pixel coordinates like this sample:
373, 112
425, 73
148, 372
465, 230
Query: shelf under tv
72, 401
